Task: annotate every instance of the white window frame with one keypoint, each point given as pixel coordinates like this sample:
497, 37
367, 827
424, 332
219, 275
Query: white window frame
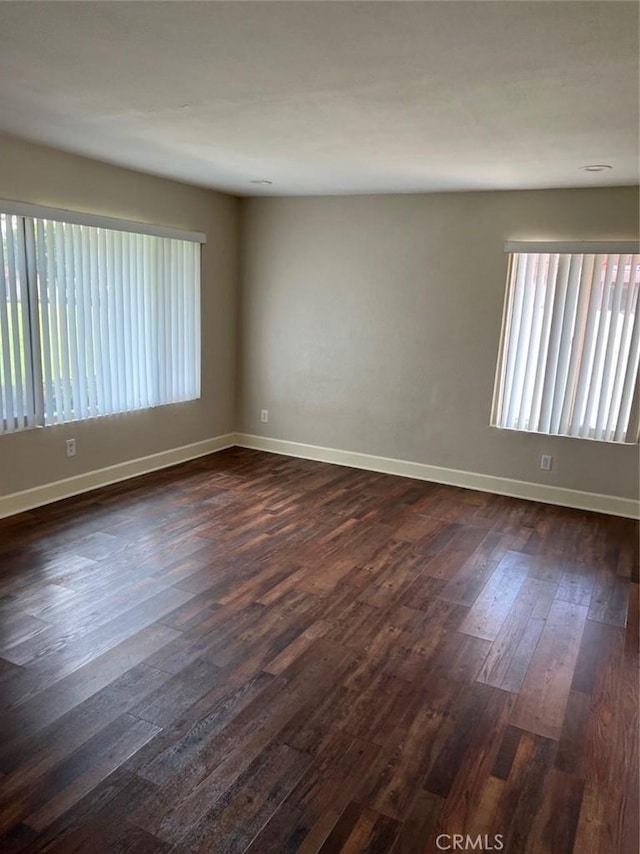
553, 285
34, 412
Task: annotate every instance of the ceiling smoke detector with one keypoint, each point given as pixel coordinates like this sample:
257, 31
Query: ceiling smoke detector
597, 167
262, 181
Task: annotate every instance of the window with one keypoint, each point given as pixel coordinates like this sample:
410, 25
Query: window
96, 317
568, 361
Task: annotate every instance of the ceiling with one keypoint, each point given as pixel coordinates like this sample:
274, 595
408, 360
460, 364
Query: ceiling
331, 97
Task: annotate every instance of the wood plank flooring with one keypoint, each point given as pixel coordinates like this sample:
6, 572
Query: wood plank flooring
255, 653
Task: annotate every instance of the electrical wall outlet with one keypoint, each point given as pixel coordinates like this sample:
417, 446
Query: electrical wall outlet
71, 447
545, 462
264, 416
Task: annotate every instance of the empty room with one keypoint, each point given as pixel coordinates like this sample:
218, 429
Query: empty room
319, 423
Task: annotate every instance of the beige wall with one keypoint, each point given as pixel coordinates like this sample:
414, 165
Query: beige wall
371, 324
39, 175
368, 324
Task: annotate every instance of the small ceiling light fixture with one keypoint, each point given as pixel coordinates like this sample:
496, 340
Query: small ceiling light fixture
262, 181
597, 167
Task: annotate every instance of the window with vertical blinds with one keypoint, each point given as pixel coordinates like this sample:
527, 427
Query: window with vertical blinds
94, 320
568, 360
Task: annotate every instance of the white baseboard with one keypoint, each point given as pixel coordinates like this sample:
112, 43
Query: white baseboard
17, 502
609, 504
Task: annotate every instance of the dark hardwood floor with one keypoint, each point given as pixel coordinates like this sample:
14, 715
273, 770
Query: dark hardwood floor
255, 653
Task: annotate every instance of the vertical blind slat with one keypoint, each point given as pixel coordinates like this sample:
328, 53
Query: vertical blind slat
177, 306
592, 380
15, 321
62, 322
76, 326
9, 412
567, 325
625, 344
166, 315
630, 378
27, 323
119, 344
111, 331
106, 357
36, 403
515, 309
521, 342
137, 342
553, 353
127, 285
603, 400
88, 298
576, 343
195, 299
536, 317
45, 333
54, 314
